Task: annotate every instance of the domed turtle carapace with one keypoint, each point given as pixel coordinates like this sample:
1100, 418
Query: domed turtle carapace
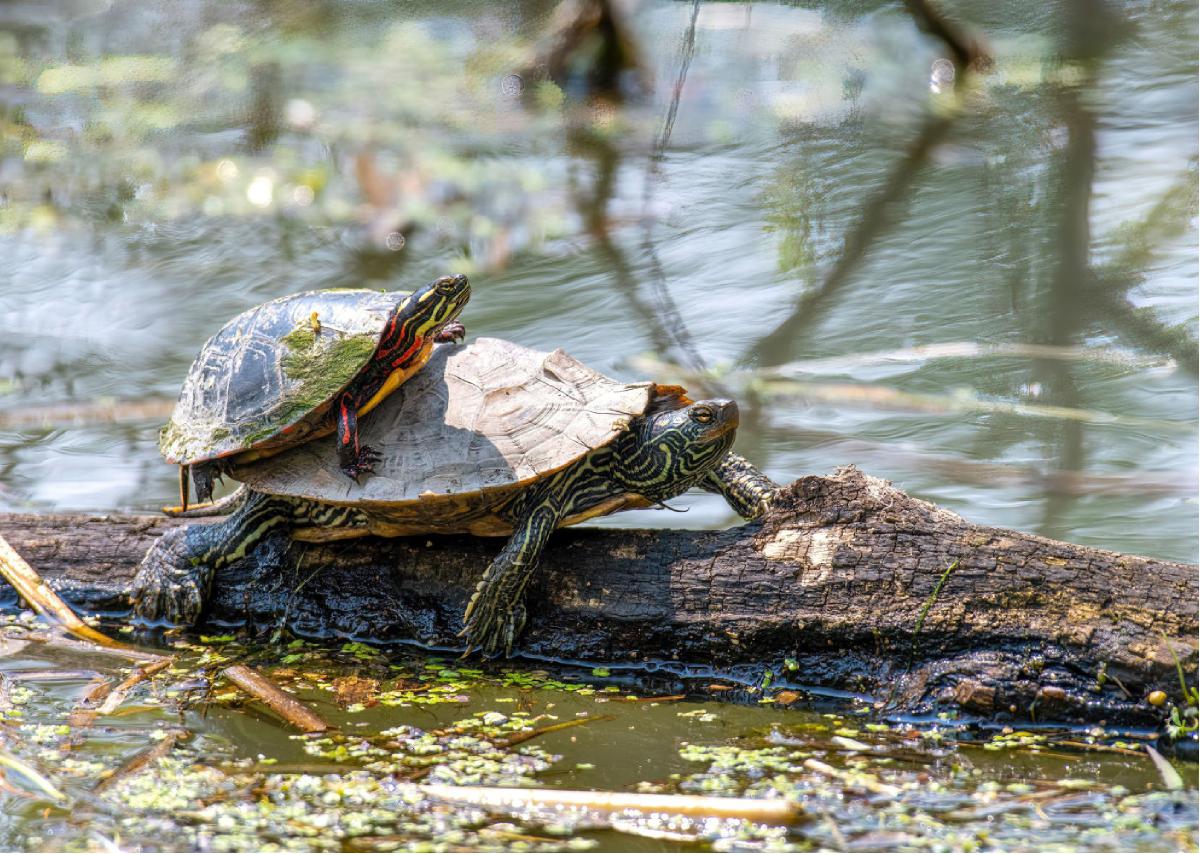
299, 367
490, 439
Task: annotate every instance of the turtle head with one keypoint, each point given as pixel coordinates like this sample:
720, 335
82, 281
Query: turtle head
430, 308
669, 451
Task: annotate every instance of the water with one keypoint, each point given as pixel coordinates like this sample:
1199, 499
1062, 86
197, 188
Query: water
164, 168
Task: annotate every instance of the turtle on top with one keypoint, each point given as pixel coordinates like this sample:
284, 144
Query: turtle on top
302, 367
489, 439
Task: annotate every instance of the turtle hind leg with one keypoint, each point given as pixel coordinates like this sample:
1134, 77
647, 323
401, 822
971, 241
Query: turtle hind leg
168, 588
204, 476
174, 579
496, 613
747, 490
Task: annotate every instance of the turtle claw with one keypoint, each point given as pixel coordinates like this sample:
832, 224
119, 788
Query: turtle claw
168, 587
491, 627
453, 331
363, 465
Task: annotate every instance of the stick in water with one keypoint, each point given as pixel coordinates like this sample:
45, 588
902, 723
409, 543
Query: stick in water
44, 601
141, 760
283, 704
118, 695
771, 811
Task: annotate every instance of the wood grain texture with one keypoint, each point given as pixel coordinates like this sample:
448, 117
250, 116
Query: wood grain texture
835, 578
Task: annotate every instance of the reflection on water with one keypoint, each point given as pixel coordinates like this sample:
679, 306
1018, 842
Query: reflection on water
791, 191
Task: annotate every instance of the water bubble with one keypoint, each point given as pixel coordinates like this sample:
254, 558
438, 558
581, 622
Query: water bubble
302, 195
227, 170
395, 241
512, 86
941, 76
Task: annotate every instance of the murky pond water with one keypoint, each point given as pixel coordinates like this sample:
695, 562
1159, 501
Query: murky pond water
987, 295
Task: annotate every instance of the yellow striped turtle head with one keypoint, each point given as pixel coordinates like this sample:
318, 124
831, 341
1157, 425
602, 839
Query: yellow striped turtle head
428, 309
668, 451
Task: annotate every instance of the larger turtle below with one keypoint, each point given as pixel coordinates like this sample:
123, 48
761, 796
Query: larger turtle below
299, 367
490, 439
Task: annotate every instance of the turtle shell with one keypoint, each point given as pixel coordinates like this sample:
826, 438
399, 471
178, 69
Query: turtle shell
271, 373
470, 430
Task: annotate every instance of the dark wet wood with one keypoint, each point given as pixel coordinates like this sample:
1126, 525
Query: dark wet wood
835, 579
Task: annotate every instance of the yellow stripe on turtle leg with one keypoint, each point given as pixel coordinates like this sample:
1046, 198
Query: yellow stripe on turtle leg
496, 611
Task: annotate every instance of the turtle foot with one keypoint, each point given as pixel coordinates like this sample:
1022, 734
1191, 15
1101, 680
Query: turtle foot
364, 465
452, 331
168, 587
491, 626
204, 477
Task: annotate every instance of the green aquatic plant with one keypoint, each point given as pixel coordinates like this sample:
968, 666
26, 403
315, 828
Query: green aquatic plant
1183, 721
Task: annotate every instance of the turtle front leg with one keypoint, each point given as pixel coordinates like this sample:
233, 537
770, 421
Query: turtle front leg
354, 459
173, 582
450, 332
748, 490
496, 613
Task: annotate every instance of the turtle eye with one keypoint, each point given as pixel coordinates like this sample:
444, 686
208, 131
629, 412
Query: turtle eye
703, 415
446, 284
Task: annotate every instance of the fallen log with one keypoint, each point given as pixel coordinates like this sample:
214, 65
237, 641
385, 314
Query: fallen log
848, 584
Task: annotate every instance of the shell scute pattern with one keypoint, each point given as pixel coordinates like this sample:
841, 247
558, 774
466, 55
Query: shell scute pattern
477, 424
239, 391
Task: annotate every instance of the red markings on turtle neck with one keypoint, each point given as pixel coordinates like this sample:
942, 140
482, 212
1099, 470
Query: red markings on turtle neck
413, 348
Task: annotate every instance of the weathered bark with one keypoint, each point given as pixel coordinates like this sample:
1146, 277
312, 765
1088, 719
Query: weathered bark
836, 578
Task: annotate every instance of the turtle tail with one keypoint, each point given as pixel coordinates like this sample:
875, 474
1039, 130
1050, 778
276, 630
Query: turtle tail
221, 507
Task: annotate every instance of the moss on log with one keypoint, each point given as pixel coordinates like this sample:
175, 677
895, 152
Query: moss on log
837, 578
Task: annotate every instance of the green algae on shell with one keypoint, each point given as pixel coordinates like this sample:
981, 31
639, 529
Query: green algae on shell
320, 362
273, 368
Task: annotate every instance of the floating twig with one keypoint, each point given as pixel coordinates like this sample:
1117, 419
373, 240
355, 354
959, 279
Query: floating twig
1171, 779
141, 760
279, 701
46, 602
25, 770
839, 839
866, 782
86, 711
518, 738
1090, 746
7, 786
117, 696
771, 811
49, 675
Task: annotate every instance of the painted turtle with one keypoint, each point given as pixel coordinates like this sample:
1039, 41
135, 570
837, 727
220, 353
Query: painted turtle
490, 439
299, 367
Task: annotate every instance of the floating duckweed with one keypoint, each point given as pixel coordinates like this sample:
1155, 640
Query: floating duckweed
903, 786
